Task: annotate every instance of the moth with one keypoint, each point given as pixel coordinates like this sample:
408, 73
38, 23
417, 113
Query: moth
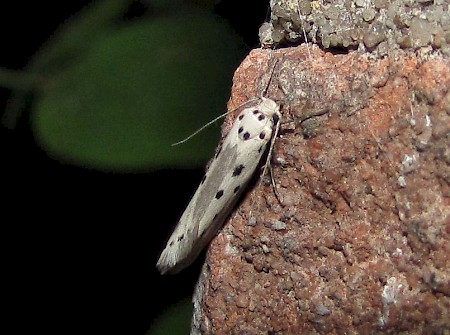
231, 169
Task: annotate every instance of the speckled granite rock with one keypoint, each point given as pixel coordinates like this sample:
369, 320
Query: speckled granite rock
358, 241
376, 25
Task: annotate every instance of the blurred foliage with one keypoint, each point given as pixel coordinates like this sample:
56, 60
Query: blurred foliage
114, 97
176, 320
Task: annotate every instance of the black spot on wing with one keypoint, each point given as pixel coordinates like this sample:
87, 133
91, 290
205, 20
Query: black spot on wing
203, 179
180, 237
218, 170
240, 130
256, 112
246, 136
236, 188
237, 170
241, 117
262, 135
219, 194
261, 117
171, 243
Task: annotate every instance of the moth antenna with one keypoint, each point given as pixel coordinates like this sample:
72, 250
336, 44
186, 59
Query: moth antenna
274, 135
305, 36
200, 129
211, 122
266, 89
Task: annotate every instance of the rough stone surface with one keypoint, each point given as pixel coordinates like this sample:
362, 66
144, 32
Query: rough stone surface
376, 25
358, 241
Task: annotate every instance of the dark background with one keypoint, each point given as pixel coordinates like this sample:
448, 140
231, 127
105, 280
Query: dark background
80, 246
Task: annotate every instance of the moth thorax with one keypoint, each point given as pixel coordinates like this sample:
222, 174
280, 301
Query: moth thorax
253, 123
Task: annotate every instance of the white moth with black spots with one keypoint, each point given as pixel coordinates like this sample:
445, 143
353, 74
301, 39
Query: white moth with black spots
226, 178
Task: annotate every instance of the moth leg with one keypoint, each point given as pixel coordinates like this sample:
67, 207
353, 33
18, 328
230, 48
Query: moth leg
269, 156
272, 144
275, 189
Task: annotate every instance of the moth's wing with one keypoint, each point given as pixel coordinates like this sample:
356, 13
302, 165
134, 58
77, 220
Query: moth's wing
229, 181
245, 143
227, 176
184, 244
211, 204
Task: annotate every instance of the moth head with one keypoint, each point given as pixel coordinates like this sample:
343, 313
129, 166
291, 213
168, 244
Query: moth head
269, 107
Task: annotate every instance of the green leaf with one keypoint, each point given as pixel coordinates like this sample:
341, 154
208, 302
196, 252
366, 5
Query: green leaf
138, 90
176, 320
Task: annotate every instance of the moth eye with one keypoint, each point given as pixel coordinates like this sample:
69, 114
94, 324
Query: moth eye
236, 188
237, 170
261, 117
219, 194
246, 136
240, 130
180, 237
262, 135
241, 117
